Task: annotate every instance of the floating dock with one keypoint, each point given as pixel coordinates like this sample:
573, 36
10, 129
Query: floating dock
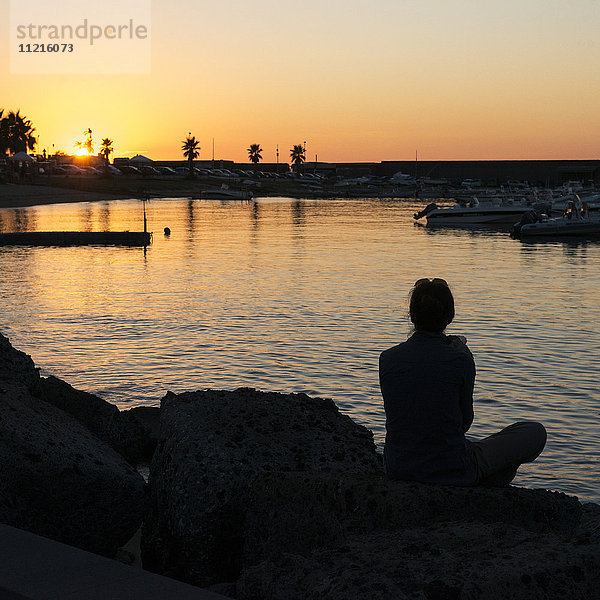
76, 238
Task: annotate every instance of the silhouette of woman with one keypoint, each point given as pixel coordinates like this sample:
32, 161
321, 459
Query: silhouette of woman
427, 386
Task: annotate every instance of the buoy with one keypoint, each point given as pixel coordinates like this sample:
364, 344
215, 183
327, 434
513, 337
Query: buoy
167, 231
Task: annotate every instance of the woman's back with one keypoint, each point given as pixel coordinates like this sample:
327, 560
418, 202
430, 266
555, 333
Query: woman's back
427, 387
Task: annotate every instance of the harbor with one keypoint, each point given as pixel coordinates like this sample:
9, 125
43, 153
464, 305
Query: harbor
289, 286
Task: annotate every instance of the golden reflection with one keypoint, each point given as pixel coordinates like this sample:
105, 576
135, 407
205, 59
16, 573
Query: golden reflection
226, 301
255, 218
23, 219
190, 218
104, 217
298, 214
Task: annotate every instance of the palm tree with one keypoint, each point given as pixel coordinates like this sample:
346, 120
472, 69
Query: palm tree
88, 144
297, 155
3, 134
106, 151
16, 133
254, 153
191, 150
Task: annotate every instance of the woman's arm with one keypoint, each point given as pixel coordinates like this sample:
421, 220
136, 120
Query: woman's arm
466, 393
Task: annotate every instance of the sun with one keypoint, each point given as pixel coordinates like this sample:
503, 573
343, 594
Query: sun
82, 152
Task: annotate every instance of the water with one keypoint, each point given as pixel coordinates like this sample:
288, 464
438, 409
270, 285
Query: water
303, 295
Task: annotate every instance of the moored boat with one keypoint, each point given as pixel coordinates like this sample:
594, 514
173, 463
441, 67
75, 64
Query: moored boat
591, 201
493, 211
577, 221
224, 193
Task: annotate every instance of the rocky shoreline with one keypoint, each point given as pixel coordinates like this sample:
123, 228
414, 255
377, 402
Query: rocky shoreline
261, 495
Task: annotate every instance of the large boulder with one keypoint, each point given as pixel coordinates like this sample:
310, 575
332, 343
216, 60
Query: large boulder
454, 561
213, 445
60, 481
312, 536
123, 431
16, 366
120, 430
298, 512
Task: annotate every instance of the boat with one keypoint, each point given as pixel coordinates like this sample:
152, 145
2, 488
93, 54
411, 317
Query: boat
224, 193
76, 238
496, 210
561, 203
576, 221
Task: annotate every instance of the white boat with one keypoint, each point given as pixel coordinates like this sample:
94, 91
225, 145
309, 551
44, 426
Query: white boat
493, 211
576, 221
224, 193
471, 183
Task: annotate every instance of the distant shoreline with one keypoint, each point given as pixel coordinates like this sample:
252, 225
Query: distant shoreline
23, 195
17, 195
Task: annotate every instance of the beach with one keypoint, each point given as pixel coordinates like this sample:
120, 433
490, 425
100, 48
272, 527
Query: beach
21, 195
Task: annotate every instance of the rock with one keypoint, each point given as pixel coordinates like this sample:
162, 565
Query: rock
59, 481
314, 536
121, 430
298, 512
127, 435
213, 445
16, 366
450, 561
149, 419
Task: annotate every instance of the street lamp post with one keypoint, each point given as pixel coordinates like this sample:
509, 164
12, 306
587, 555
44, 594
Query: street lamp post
304, 150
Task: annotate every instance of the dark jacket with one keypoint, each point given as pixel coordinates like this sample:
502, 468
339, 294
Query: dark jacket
427, 387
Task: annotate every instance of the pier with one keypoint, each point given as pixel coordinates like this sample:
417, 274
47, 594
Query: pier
76, 238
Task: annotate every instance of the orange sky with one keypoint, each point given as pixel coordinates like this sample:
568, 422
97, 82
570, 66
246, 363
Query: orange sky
357, 80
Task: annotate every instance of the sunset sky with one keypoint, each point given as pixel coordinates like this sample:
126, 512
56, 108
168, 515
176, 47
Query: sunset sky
358, 80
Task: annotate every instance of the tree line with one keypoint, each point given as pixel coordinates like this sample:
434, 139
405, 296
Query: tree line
16, 133
191, 151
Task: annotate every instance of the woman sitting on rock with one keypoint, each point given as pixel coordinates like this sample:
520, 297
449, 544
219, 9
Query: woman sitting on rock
427, 387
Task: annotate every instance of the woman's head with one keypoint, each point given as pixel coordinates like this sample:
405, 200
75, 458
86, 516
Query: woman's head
431, 305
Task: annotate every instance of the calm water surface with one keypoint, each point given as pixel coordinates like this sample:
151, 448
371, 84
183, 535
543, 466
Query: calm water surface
303, 295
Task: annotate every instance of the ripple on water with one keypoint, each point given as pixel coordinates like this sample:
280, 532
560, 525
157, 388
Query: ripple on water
303, 296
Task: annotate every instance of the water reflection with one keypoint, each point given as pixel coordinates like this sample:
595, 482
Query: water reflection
298, 213
575, 252
87, 218
104, 218
191, 223
255, 213
307, 305
500, 230
574, 242
18, 219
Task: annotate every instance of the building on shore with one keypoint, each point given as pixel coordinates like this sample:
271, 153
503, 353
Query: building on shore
536, 172
550, 173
